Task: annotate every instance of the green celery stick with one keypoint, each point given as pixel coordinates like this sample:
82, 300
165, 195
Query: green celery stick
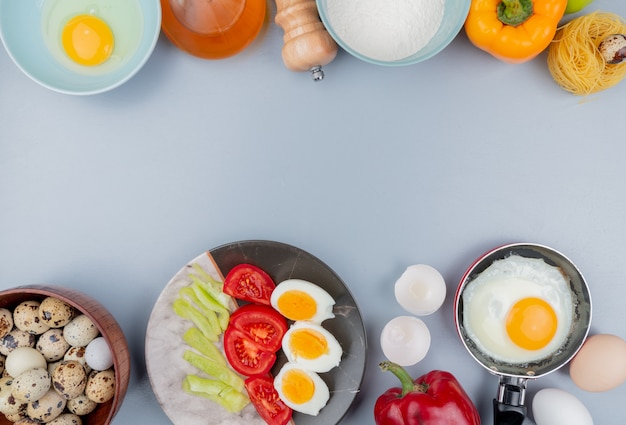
223, 314
211, 286
196, 339
215, 369
184, 309
210, 315
228, 397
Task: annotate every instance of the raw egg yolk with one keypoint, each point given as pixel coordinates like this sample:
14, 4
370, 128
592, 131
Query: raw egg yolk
297, 305
297, 386
87, 40
531, 323
308, 344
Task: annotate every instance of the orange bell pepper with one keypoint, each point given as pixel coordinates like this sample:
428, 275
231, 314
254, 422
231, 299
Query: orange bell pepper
513, 31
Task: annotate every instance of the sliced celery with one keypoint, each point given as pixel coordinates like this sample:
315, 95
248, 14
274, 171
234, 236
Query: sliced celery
196, 339
184, 309
219, 392
215, 369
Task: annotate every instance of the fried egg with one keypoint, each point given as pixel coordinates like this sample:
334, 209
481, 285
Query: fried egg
298, 299
94, 37
302, 390
312, 347
518, 310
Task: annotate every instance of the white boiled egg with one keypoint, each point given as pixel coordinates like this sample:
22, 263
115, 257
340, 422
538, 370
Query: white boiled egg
553, 406
405, 340
420, 290
518, 310
94, 37
302, 390
298, 299
312, 347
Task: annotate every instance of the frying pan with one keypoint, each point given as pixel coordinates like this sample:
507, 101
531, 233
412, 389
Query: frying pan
508, 406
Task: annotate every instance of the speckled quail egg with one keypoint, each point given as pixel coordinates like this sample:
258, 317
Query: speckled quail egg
66, 419
48, 407
81, 405
16, 338
17, 417
101, 385
80, 331
98, 355
52, 344
22, 359
55, 312
77, 354
26, 421
26, 318
8, 404
69, 379
31, 385
6, 321
3, 362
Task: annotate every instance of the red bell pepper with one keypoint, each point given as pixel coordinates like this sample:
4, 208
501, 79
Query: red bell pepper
436, 398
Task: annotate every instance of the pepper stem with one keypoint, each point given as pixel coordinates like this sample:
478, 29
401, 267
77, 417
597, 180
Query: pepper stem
514, 12
405, 379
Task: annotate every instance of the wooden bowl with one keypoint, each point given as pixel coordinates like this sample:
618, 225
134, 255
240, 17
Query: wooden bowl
106, 324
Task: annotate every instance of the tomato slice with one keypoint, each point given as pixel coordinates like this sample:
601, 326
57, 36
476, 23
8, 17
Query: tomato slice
246, 356
249, 283
262, 323
265, 399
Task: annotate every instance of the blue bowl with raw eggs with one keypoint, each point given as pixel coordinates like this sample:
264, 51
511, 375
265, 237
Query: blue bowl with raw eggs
393, 32
77, 47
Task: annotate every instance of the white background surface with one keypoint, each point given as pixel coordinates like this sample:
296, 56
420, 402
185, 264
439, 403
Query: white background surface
370, 170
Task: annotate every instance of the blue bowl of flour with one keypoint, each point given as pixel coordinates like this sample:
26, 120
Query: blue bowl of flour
393, 32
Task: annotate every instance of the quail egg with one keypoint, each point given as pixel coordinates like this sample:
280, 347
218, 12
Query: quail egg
6, 321
77, 354
98, 355
81, 405
26, 421
69, 379
22, 359
52, 344
31, 385
66, 419
101, 385
55, 312
80, 331
8, 404
26, 318
46, 408
16, 338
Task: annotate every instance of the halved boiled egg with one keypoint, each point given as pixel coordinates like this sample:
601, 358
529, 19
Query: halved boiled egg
298, 299
312, 347
301, 389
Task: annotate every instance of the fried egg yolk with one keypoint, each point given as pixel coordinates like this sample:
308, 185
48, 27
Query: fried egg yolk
531, 323
87, 40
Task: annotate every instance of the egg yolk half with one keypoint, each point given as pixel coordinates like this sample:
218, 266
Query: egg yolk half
308, 344
297, 386
297, 305
87, 40
531, 323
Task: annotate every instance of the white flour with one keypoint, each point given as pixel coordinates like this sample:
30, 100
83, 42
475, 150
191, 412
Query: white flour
385, 29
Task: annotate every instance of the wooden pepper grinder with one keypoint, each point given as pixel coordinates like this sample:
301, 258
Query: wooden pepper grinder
308, 46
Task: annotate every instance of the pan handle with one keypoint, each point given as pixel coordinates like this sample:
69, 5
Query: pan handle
508, 407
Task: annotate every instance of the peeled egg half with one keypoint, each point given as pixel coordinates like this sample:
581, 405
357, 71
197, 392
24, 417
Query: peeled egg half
518, 310
405, 340
420, 290
298, 299
94, 37
312, 347
302, 390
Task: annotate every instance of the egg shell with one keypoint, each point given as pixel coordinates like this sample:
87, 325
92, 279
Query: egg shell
16, 338
81, 405
77, 354
8, 404
420, 290
6, 321
80, 331
69, 379
405, 340
98, 355
24, 358
66, 419
553, 406
52, 344
31, 385
26, 318
100, 385
600, 364
55, 312
46, 408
